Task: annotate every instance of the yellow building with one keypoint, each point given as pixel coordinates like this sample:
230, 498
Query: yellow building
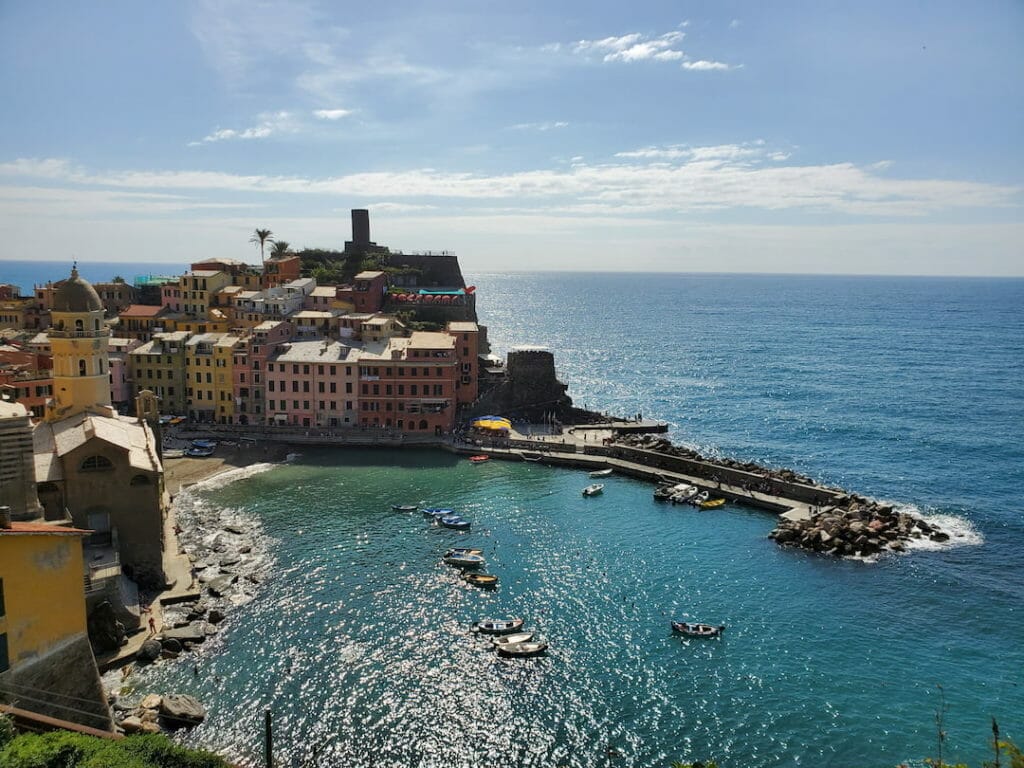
44, 646
200, 376
159, 366
224, 377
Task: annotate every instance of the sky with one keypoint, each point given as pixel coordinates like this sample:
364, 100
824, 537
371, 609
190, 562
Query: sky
808, 137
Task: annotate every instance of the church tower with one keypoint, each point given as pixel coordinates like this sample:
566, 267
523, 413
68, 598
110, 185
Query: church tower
79, 340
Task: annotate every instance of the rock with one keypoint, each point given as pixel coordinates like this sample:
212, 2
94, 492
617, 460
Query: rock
131, 724
165, 654
229, 560
148, 727
215, 616
180, 710
193, 633
245, 550
150, 715
171, 644
150, 650
898, 546
219, 586
152, 701
939, 536
106, 633
235, 529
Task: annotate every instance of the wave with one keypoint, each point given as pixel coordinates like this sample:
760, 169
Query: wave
226, 478
962, 532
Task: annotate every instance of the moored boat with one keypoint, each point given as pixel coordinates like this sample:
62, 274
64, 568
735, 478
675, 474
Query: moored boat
197, 453
480, 459
455, 522
683, 492
698, 498
601, 472
712, 503
462, 551
530, 456
481, 579
464, 561
203, 443
593, 490
694, 629
498, 626
437, 512
404, 507
523, 649
515, 637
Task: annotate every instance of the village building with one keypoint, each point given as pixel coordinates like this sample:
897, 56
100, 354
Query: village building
312, 384
141, 321
159, 366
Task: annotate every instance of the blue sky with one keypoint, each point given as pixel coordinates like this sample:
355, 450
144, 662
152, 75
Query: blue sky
869, 137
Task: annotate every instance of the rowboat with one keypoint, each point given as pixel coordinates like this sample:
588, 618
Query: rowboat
463, 551
712, 503
481, 580
698, 499
437, 512
464, 561
498, 626
515, 637
480, 459
404, 507
683, 493
198, 452
523, 649
530, 456
601, 472
593, 490
455, 522
692, 629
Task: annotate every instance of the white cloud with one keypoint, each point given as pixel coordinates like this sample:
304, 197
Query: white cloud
270, 124
633, 47
653, 180
548, 126
331, 114
707, 66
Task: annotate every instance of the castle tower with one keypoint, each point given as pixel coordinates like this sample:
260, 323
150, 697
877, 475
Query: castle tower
79, 339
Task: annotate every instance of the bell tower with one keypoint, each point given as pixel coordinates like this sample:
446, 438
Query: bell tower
79, 341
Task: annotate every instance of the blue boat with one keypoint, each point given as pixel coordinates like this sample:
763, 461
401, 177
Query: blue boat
456, 522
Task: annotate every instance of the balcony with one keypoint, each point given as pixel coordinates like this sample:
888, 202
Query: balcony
54, 333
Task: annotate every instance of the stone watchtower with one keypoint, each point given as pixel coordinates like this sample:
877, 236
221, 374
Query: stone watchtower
79, 340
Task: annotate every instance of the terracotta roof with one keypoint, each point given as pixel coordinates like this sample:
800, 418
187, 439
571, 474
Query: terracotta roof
18, 527
141, 310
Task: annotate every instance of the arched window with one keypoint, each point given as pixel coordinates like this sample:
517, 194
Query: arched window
100, 364
140, 480
81, 368
78, 325
96, 464
423, 423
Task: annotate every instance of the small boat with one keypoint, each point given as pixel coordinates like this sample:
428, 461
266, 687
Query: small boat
404, 507
663, 492
480, 459
481, 580
530, 456
698, 498
523, 649
174, 453
515, 637
693, 629
437, 514
204, 443
683, 492
601, 472
498, 626
593, 490
463, 551
455, 522
198, 453
712, 503
464, 561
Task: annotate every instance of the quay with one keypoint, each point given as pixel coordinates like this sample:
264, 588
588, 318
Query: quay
586, 446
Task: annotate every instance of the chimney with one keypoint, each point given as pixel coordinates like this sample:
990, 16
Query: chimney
5, 517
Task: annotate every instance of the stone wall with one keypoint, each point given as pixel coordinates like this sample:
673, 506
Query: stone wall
63, 683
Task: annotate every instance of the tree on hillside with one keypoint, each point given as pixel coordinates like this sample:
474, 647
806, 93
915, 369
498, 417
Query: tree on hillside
261, 237
280, 248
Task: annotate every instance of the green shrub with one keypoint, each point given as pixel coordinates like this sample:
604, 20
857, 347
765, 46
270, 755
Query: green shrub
6, 730
62, 749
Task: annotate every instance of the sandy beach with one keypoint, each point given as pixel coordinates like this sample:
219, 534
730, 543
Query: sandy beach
182, 472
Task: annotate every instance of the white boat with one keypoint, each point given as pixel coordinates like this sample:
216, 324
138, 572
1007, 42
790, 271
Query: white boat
464, 560
682, 493
463, 551
515, 637
698, 498
523, 649
695, 629
593, 490
499, 626
199, 452
601, 472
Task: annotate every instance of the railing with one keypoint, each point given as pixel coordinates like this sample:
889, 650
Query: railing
55, 333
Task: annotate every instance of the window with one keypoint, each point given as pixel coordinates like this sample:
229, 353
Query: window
81, 367
3, 610
96, 464
423, 423
5, 663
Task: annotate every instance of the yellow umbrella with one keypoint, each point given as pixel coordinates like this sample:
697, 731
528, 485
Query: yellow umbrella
497, 423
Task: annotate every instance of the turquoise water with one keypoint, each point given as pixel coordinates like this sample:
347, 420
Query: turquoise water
905, 389
908, 390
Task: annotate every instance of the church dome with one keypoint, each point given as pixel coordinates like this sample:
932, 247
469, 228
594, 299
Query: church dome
76, 294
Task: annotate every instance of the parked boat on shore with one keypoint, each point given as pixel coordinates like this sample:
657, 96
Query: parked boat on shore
593, 490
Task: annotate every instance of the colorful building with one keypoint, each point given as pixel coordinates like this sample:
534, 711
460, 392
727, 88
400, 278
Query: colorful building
367, 291
199, 372
159, 366
312, 384
467, 353
141, 321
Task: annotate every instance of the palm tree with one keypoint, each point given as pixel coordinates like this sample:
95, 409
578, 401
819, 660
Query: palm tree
260, 237
280, 248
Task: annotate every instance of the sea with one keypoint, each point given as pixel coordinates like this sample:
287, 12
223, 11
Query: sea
909, 390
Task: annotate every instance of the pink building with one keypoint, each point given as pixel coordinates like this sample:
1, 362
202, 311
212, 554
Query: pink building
313, 384
120, 378
250, 365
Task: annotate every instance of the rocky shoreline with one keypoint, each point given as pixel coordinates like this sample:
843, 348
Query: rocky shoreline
841, 523
231, 557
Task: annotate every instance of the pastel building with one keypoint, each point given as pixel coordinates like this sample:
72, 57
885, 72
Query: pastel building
141, 321
467, 353
312, 384
367, 291
121, 392
160, 367
409, 383
199, 372
250, 366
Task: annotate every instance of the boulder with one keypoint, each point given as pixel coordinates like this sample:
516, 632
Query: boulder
150, 728
236, 529
173, 645
180, 710
152, 701
131, 725
939, 536
150, 650
106, 633
219, 586
215, 616
193, 633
